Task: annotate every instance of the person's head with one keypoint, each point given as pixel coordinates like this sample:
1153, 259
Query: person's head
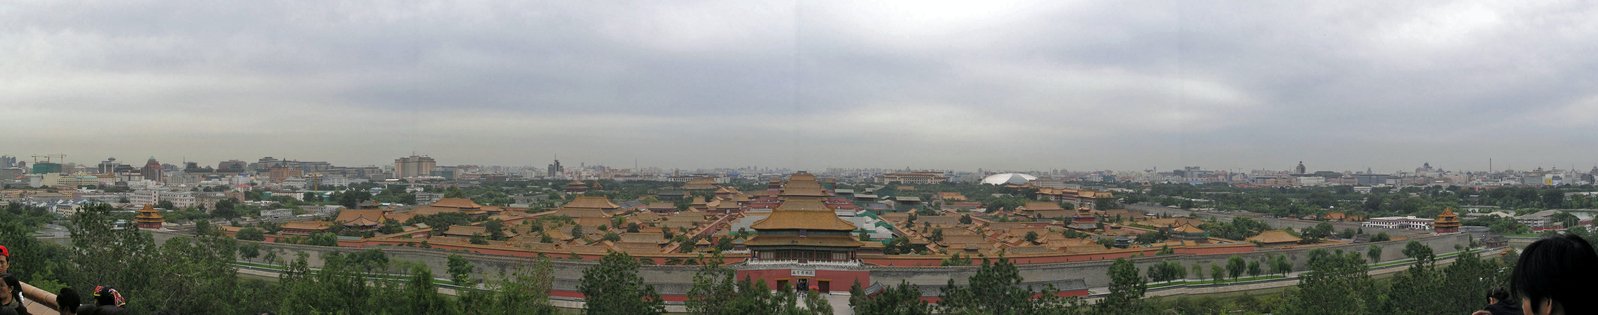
67, 301
1552, 275
1497, 295
11, 290
5, 259
106, 295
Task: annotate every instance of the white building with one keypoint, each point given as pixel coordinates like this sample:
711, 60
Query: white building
180, 199
1311, 180
1406, 222
144, 197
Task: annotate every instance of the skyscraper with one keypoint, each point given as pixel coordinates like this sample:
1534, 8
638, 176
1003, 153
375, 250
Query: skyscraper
152, 170
555, 169
232, 166
413, 166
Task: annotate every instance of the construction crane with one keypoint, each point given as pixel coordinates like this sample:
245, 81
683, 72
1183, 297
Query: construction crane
62, 159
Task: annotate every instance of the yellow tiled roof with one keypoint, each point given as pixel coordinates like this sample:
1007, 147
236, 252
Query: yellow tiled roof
803, 213
460, 203
825, 241
593, 202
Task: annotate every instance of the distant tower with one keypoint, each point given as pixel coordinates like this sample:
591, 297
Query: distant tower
148, 218
1447, 222
1300, 169
555, 169
152, 170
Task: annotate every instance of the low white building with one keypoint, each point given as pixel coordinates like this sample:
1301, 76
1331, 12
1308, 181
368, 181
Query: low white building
180, 199
1311, 180
144, 197
1405, 222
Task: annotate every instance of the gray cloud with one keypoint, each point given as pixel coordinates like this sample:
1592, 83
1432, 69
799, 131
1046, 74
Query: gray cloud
1046, 84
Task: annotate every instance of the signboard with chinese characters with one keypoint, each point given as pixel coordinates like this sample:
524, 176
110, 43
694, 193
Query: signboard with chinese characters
802, 273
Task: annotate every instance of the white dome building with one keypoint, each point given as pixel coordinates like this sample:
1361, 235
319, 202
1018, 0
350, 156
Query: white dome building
1008, 178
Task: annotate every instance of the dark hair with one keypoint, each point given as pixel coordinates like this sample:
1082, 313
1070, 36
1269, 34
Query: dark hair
1499, 293
15, 285
1559, 269
68, 300
102, 296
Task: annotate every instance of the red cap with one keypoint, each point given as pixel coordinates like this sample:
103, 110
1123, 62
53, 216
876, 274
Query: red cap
4, 251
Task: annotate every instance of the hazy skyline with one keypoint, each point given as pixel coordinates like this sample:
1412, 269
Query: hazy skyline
1014, 85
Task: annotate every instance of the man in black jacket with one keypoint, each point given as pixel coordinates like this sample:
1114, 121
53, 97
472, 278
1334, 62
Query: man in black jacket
1498, 304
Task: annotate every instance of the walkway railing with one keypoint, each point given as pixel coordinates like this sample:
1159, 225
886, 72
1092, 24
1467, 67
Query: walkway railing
40, 298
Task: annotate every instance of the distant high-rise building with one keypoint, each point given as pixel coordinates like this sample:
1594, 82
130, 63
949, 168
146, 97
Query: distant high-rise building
152, 170
7, 161
555, 169
109, 166
232, 166
1300, 169
265, 164
413, 166
47, 167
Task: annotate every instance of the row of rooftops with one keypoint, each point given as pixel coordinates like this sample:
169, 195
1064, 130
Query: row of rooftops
800, 204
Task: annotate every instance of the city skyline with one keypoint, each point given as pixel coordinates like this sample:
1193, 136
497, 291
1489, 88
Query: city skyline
536, 167
1017, 85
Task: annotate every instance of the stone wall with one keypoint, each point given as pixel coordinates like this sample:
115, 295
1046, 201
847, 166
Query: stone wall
568, 273
1095, 273
675, 280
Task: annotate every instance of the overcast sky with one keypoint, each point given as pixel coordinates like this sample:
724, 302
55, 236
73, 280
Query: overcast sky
1122, 85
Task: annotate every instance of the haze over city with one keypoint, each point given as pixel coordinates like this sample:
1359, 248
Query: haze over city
798, 157
1014, 85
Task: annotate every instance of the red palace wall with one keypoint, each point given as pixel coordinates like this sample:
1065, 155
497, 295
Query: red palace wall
838, 280
914, 261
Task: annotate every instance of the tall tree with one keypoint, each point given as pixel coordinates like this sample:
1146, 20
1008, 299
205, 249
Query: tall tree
902, 299
460, 270
1126, 290
250, 234
614, 287
1281, 265
1374, 253
1235, 266
714, 289
1420, 252
421, 297
1336, 284
994, 289
524, 291
495, 229
1217, 273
